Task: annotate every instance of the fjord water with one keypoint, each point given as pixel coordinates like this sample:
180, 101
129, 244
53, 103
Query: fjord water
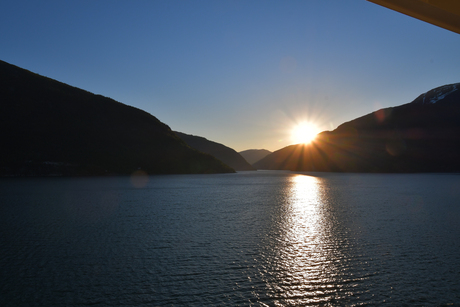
261, 238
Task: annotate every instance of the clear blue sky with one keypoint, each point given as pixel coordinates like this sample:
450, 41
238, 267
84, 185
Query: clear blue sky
241, 73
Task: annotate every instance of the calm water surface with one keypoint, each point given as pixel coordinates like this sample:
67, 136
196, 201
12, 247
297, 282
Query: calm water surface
246, 239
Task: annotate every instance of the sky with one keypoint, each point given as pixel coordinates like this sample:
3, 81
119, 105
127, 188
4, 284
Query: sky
240, 73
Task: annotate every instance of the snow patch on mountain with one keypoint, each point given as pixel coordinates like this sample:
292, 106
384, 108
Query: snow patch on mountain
437, 94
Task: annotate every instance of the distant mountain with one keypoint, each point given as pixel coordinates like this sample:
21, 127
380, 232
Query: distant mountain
221, 152
421, 136
50, 128
254, 155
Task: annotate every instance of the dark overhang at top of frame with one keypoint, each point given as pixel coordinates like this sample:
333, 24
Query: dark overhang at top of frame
442, 13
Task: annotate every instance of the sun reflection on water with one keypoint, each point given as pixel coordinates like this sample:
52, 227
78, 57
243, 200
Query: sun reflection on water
303, 269
304, 204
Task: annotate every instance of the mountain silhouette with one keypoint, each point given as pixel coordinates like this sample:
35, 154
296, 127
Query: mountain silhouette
254, 155
50, 128
421, 136
225, 154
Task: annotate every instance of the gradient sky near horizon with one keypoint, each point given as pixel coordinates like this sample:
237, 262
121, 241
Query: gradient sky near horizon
241, 73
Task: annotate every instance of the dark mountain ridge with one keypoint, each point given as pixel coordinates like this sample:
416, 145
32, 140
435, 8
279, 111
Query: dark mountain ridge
50, 128
421, 136
225, 154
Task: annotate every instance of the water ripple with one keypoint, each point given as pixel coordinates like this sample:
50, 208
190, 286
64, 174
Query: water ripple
246, 239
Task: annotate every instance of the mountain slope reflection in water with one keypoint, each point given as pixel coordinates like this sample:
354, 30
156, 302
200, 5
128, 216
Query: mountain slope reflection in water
263, 238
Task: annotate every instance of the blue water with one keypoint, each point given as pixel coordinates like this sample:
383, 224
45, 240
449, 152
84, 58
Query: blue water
247, 239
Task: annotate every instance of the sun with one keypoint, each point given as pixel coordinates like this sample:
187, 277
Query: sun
304, 132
